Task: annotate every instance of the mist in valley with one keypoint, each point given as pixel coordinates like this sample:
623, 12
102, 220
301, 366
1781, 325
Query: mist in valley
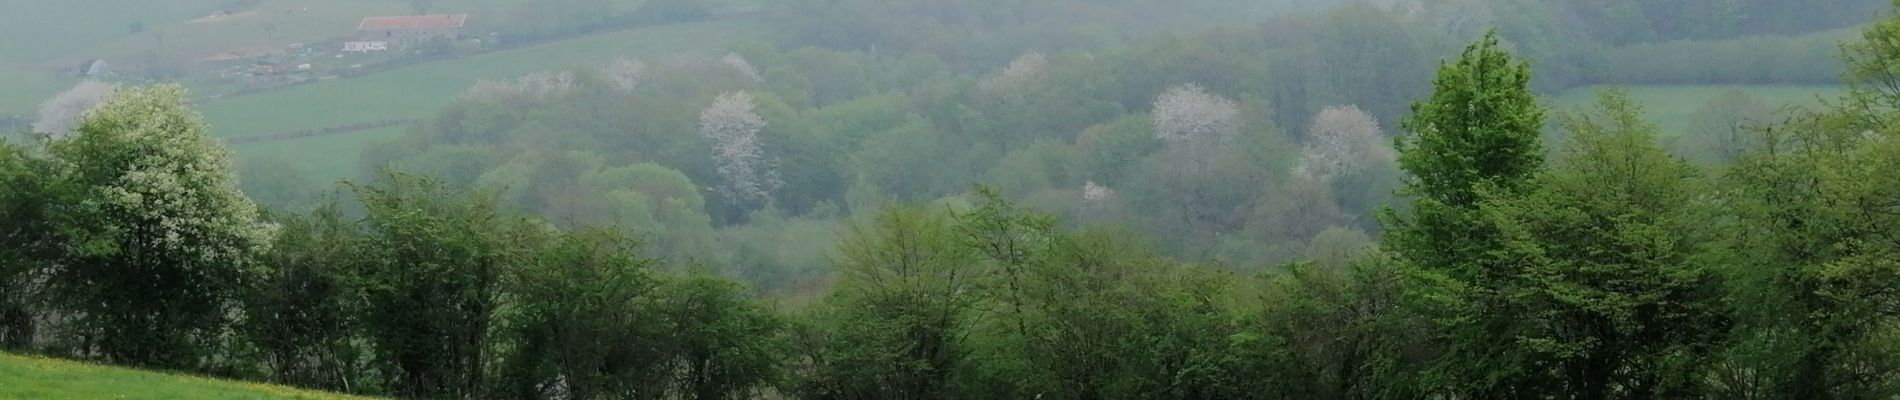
914, 199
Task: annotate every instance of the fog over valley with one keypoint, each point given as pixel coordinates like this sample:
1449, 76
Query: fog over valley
935, 200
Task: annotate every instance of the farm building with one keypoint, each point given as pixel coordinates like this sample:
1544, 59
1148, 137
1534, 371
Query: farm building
405, 31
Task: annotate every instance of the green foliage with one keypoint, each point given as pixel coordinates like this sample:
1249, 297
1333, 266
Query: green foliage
26, 239
901, 163
1130, 325
277, 186
158, 239
1350, 331
1476, 137
1873, 74
780, 254
1724, 128
581, 323
1478, 130
723, 345
892, 327
645, 200
1806, 252
1807, 256
1602, 270
1477, 134
304, 311
1109, 152
434, 261
539, 260
1355, 54
996, 301
1291, 215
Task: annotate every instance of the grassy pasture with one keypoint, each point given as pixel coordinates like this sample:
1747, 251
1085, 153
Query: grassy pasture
1673, 107
27, 377
47, 39
421, 90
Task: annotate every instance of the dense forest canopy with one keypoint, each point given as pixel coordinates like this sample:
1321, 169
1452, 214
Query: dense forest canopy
1054, 199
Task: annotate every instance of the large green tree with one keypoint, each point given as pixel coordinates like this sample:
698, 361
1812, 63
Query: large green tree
1345, 331
1811, 256
302, 314
1810, 249
27, 240
158, 239
1602, 292
893, 328
1478, 130
582, 322
722, 344
1475, 138
435, 260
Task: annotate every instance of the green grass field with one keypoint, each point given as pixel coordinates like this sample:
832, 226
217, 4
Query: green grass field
323, 158
45, 40
420, 91
26, 377
1673, 107
33, 61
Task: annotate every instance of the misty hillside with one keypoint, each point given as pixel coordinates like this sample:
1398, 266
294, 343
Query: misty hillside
914, 199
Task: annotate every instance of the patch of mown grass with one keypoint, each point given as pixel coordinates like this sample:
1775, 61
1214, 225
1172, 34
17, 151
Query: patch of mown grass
29, 377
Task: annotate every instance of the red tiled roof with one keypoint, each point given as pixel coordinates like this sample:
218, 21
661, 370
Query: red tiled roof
439, 21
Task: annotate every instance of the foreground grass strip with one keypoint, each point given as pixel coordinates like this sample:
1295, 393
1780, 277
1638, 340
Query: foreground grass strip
29, 377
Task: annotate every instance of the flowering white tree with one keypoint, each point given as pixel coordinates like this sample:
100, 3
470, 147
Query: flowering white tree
732, 126
740, 64
1196, 126
1187, 113
1023, 69
163, 238
624, 73
60, 114
1095, 194
1342, 138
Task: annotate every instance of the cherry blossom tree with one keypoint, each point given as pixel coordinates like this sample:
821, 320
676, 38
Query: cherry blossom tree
1342, 138
732, 125
1187, 113
624, 73
1196, 125
1024, 68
